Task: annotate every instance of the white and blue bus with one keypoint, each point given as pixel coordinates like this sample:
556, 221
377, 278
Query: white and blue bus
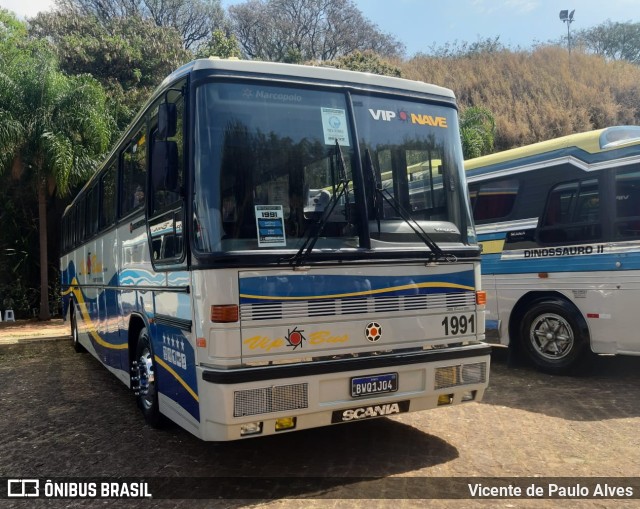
559, 222
259, 252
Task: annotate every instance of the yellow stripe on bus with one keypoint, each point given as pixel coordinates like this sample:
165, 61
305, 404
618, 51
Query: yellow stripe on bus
86, 318
363, 293
176, 376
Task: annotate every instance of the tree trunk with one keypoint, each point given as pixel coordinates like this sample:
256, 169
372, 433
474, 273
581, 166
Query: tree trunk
44, 262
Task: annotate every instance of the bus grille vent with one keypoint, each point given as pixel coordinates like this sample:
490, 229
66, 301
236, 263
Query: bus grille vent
465, 374
358, 305
267, 400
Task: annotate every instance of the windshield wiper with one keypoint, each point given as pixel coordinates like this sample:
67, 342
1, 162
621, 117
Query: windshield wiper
316, 229
397, 207
377, 187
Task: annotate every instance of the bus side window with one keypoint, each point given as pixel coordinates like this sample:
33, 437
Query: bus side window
133, 173
93, 202
81, 220
108, 197
627, 222
572, 213
495, 200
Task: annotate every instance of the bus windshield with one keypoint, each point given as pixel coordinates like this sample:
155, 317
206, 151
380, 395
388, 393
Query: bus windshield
267, 169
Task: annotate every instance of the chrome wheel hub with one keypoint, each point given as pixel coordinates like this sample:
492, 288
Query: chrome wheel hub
146, 378
551, 336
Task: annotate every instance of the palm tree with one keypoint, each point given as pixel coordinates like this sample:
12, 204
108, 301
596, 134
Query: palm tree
52, 129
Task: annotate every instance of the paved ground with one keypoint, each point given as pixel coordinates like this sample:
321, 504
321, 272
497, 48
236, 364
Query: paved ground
63, 414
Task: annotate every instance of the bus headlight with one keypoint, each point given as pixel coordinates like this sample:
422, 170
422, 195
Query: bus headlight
251, 428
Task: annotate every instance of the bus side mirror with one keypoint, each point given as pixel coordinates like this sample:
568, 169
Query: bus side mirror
164, 166
167, 120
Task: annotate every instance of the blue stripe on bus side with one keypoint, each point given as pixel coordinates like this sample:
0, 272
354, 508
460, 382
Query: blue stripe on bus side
309, 287
493, 264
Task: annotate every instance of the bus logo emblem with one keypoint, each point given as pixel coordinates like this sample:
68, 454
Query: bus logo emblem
373, 332
295, 338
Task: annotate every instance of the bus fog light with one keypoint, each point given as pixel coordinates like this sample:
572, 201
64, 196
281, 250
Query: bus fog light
445, 399
251, 428
285, 423
469, 396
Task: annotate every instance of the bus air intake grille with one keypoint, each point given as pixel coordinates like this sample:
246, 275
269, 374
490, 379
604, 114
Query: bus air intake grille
464, 374
357, 305
268, 400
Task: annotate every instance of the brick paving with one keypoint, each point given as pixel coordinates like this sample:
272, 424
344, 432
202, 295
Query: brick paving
63, 414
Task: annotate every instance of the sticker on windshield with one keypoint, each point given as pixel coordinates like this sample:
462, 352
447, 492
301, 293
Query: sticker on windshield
270, 225
334, 125
405, 116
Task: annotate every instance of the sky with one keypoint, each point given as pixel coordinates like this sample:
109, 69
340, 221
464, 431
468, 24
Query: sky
423, 24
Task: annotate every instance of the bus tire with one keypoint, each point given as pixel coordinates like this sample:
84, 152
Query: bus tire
74, 331
554, 336
145, 380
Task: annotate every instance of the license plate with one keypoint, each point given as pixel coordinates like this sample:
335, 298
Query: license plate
374, 384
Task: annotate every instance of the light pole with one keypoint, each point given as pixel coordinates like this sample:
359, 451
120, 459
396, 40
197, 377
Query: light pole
567, 17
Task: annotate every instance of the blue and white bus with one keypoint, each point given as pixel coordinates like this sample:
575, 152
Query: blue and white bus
559, 222
258, 253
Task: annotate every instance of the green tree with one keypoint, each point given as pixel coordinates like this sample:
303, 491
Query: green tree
477, 132
220, 45
615, 41
366, 61
128, 56
12, 33
57, 128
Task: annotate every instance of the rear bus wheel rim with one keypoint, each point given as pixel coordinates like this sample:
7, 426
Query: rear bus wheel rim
551, 336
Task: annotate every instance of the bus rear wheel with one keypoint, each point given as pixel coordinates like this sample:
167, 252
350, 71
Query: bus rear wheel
144, 381
555, 337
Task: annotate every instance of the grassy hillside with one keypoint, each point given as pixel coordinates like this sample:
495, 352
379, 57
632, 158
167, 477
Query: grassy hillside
540, 94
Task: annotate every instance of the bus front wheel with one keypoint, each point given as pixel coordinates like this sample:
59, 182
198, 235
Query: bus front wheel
555, 337
145, 380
